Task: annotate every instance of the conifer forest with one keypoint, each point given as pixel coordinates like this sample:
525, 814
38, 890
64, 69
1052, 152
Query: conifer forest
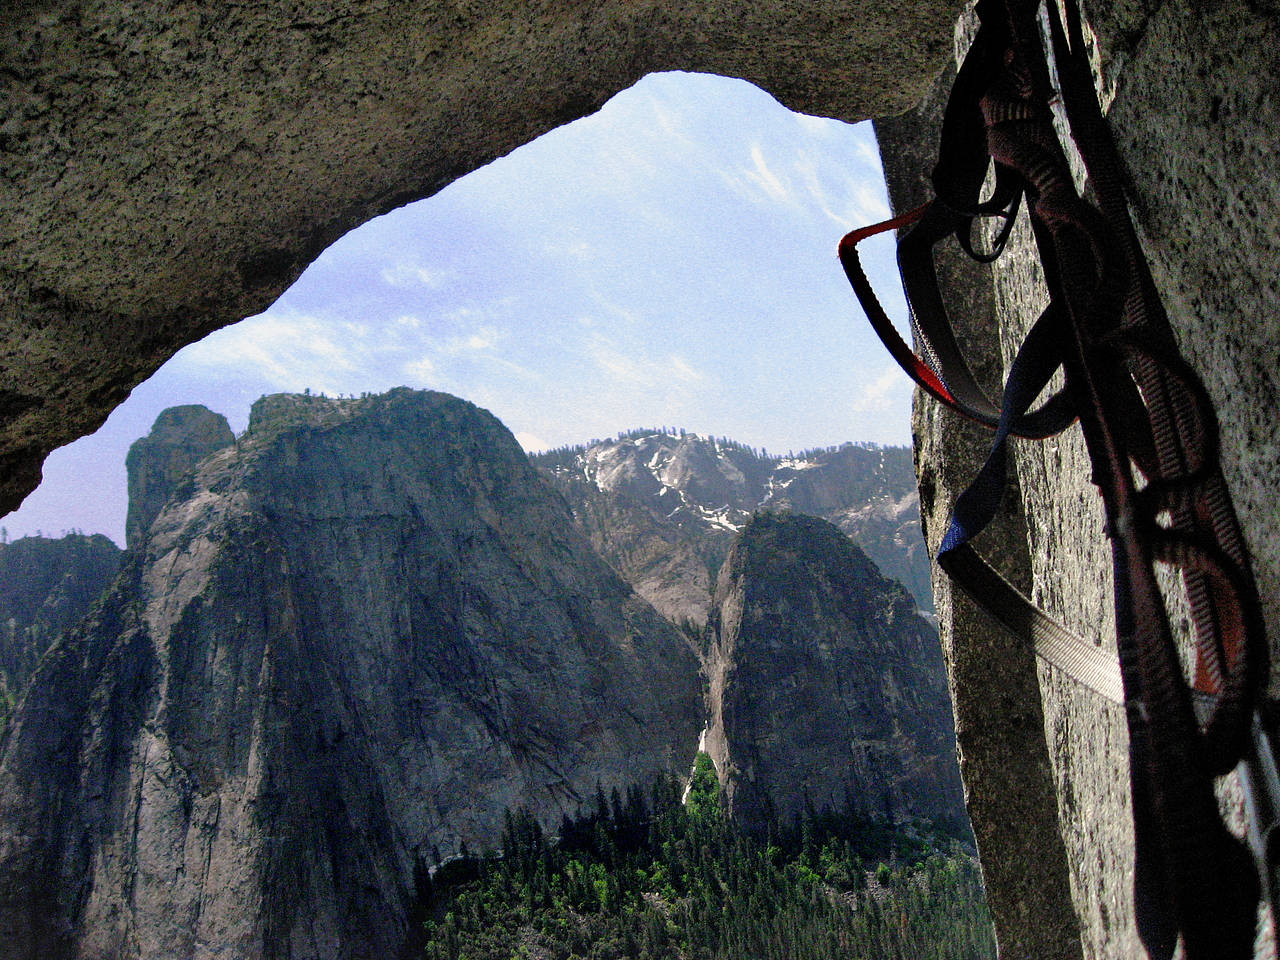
648, 876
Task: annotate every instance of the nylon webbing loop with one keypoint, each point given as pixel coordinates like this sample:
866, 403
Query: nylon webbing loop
1087, 665
1141, 408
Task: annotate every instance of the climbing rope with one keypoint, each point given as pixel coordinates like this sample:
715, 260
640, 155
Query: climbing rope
1152, 438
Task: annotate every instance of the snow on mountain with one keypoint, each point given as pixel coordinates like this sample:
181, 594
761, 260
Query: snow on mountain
693, 493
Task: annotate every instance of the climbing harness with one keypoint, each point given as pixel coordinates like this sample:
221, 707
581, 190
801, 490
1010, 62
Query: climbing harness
1139, 405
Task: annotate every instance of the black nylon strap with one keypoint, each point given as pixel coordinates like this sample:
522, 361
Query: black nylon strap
1137, 402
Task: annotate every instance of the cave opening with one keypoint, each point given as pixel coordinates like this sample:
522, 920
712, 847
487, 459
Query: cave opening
666, 261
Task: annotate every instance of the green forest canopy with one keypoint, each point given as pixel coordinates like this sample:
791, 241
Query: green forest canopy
651, 878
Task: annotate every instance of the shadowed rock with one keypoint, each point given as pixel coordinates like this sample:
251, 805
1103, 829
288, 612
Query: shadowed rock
826, 688
46, 586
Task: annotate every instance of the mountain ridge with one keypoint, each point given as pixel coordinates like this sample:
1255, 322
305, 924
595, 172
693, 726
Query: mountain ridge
349, 640
662, 506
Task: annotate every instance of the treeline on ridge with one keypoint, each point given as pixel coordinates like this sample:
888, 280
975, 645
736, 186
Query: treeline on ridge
564, 456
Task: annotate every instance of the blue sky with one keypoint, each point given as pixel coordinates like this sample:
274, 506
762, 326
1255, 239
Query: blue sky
669, 260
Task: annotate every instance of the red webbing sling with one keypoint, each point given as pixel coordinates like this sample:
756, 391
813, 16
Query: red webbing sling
1139, 405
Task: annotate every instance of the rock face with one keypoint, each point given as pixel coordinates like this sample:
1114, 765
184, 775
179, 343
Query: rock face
1043, 761
359, 634
46, 587
1010, 790
664, 508
826, 688
167, 175
180, 438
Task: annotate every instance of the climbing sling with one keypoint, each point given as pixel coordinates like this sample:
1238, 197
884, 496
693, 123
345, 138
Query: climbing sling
1139, 405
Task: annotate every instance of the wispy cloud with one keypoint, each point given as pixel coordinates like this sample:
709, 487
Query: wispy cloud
619, 365
880, 394
421, 370
483, 338
455, 362
807, 170
407, 274
868, 202
866, 149
288, 350
768, 181
672, 123
291, 350
646, 373
630, 316
681, 369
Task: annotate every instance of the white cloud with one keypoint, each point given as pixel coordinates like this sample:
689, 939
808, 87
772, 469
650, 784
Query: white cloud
868, 202
618, 364
807, 170
683, 371
477, 313
673, 123
766, 179
289, 350
524, 373
482, 338
420, 370
640, 371
881, 393
866, 149
629, 316
406, 274
446, 359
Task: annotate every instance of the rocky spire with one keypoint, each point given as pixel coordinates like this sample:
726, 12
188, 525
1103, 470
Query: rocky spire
826, 687
355, 640
180, 438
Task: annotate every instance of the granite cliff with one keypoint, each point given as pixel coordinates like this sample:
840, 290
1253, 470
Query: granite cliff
826, 689
46, 587
1189, 91
344, 646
